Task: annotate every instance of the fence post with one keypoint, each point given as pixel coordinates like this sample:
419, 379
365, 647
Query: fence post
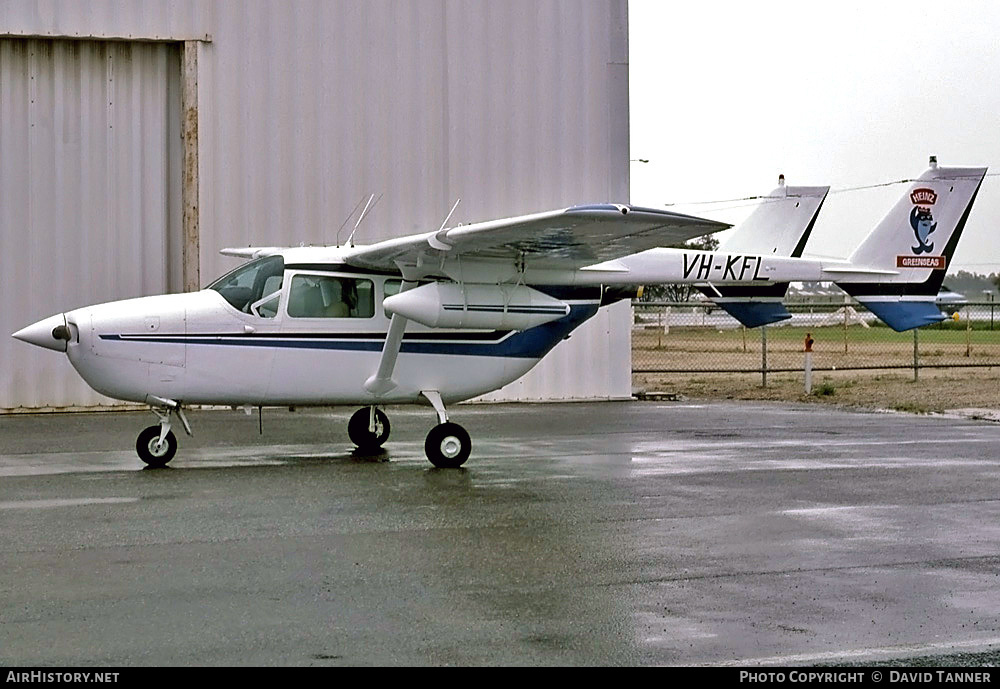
847, 302
968, 335
763, 356
916, 356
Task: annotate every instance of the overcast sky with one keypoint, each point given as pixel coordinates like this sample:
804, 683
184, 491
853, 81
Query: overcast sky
727, 95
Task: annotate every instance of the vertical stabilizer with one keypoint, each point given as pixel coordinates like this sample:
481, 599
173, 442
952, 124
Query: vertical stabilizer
914, 245
779, 226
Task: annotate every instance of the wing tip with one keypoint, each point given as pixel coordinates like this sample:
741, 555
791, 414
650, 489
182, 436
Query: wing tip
249, 251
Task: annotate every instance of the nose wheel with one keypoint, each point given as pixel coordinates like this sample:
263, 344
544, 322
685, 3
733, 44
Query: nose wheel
154, 451
157, 445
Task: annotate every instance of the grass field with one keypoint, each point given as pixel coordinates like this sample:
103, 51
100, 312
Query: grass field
971, 378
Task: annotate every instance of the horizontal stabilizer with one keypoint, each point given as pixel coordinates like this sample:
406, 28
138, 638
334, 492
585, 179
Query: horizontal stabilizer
753, 314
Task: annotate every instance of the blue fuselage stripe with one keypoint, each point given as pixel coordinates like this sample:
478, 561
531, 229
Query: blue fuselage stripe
532, 343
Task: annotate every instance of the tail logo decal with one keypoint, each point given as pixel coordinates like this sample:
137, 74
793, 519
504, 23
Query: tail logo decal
922, 220
934, 262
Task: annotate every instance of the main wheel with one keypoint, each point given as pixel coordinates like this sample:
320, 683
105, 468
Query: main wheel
151, 452
357, 429
448, 445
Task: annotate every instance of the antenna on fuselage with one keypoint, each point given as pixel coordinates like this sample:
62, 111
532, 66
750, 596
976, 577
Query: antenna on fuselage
347, 219
368, 207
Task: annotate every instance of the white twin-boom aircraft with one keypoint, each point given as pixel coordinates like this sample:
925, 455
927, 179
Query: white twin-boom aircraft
445, 316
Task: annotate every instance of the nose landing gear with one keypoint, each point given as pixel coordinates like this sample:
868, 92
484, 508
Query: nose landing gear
157, 445
155, 450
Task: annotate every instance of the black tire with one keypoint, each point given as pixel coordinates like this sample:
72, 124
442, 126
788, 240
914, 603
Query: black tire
357, 429
145, 447
448, 445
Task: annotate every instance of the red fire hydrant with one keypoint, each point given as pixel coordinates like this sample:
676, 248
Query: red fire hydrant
809, 362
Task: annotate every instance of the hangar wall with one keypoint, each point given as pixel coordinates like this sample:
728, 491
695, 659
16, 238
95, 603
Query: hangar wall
306, 108
88, 207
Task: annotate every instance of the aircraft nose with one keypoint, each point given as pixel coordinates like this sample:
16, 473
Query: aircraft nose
50, 333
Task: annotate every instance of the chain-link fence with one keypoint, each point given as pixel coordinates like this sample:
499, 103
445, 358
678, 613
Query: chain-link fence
699, 337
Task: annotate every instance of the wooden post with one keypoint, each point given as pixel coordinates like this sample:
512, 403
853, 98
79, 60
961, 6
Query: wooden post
968, 336
190, 233
763, 356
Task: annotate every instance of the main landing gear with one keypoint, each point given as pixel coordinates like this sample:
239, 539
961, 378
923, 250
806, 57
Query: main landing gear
368, 428
157, 445
448, 445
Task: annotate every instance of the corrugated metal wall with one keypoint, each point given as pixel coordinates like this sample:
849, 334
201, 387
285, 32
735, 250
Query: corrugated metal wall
85, 193
513, 107
307, 107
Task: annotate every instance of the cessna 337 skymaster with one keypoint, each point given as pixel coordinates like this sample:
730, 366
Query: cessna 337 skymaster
448, 315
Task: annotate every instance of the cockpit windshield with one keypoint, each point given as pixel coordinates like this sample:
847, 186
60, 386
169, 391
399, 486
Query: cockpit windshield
251, 283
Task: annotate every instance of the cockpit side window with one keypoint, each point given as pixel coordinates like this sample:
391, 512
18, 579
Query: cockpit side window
328, 296
252, 285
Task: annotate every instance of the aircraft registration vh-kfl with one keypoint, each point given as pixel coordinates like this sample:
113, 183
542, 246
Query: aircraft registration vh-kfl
445, 316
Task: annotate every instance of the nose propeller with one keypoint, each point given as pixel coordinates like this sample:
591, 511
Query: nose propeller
50, 333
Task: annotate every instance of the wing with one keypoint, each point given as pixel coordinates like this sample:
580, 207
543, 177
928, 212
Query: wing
571, 237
